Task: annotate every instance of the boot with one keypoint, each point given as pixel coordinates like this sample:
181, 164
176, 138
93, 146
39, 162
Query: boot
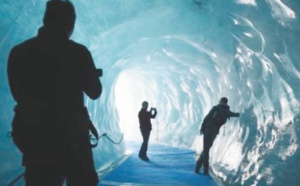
198, 166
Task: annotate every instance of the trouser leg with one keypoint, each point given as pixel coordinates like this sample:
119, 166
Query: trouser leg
79, 163
81, 172
43, 175
209, 138
144, 147
199, 163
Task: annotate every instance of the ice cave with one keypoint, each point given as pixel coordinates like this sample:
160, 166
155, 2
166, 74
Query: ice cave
182, 56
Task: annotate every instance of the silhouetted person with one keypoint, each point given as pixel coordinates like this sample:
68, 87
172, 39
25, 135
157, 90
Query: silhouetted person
146, 127
210, 128
48, 76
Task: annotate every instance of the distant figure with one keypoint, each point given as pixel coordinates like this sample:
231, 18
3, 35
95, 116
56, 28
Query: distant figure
146, 127
48, 76
210, 128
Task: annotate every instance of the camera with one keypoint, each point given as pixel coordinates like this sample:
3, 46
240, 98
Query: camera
99, 72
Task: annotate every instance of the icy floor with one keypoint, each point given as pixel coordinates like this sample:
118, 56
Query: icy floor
167, 166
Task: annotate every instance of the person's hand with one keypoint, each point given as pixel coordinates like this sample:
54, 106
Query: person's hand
98, 72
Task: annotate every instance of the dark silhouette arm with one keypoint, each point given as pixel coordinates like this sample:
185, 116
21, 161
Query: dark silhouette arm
154, 114
92, 84
233, 114
12, 72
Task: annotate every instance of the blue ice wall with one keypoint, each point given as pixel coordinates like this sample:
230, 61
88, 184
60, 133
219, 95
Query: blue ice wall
182, 56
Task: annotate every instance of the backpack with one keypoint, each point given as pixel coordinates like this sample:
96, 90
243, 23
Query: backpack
220, 116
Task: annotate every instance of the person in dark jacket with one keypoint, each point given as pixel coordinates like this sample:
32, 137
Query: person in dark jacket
48, 76
145, 127
210, 128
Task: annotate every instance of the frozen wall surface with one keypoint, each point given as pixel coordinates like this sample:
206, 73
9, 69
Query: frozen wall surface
182, 56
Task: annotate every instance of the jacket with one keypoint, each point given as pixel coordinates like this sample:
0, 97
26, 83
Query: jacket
208, 123
144, 119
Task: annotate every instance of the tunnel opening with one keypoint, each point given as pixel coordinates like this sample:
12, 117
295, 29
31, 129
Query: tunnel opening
132, 87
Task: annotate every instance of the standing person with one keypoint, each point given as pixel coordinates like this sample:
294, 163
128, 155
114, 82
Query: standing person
210, 128
48, 76
145, 127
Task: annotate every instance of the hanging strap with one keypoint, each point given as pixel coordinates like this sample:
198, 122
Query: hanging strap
94, 133
92, 129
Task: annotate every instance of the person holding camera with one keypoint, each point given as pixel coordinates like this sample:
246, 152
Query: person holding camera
48, 77
145, 127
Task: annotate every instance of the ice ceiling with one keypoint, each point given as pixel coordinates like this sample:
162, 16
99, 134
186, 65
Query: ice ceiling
182, 56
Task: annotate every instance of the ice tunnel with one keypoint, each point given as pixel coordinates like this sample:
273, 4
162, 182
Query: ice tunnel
182, 56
